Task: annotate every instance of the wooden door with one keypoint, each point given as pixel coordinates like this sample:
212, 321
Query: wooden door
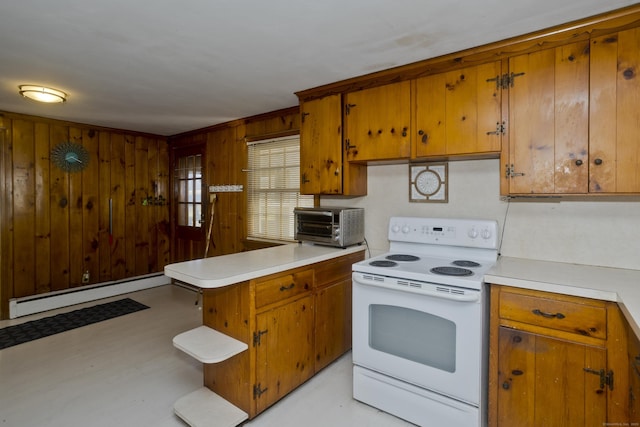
548, 121
614, 139
377, 123
284, 355
321, 146
333, 322
4, 243
458, 112
542, 381
189, 205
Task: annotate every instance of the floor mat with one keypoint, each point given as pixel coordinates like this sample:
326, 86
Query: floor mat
29, 331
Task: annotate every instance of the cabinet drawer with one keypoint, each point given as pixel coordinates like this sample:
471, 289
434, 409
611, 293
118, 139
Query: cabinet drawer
574, 317
283, 287
337, 269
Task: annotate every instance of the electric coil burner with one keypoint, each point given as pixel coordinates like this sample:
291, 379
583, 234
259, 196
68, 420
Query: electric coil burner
403, 257
420, 321
465, 263
383, 263
451, 271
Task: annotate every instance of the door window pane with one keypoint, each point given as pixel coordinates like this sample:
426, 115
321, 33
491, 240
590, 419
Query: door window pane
189, 186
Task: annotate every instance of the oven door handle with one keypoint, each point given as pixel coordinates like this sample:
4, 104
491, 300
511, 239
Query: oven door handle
471, 296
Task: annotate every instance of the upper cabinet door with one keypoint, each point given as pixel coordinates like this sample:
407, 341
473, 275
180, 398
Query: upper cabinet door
548, 121
614, 138
321, 146
458, 112
377, 123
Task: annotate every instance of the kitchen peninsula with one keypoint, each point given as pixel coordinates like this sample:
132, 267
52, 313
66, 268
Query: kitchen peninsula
279, 315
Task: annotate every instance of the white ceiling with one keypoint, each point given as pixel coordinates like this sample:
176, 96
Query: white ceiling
169, 66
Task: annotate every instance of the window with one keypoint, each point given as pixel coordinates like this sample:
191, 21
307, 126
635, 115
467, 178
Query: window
274, 188
188, 175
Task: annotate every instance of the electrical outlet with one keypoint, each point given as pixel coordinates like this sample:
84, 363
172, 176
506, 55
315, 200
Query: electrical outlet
85, 277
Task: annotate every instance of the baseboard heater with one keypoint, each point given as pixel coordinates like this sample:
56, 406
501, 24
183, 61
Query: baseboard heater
43, 302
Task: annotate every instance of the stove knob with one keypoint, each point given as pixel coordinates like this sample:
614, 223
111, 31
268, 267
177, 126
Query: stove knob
486, 234
395, 228
473, 233
405, 229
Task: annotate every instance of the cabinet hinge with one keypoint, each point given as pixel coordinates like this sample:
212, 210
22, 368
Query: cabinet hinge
500, 129
257, 337
510, 173
304, 179
505, 81
606, 378
347, 144
347, 108
257, 391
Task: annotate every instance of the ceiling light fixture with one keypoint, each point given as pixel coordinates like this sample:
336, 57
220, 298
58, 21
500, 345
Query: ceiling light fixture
42, 94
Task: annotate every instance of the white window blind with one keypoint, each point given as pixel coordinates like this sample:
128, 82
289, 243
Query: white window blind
273, 188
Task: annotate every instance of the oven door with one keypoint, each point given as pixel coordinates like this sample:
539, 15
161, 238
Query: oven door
433, 342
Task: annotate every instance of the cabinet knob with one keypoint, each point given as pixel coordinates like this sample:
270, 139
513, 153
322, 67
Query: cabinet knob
578, 162
506, 385
598, 161
423, 135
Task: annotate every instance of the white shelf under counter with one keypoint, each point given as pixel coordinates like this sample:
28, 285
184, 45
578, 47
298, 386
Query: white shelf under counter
203, 407
208, 345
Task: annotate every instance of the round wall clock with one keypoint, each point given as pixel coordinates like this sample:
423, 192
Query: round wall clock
70, 156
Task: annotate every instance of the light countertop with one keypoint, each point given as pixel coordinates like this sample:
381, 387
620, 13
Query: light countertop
610, 284
225, 270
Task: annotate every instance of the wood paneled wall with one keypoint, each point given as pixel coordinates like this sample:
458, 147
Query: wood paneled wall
225, 159
55, 224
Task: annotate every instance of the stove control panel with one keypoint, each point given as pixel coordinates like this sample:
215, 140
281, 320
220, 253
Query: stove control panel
476, 233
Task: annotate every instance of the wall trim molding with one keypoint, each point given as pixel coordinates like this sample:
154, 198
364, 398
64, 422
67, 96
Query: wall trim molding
24, 306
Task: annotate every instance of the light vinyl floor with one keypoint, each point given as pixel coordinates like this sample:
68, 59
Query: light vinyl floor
126, 372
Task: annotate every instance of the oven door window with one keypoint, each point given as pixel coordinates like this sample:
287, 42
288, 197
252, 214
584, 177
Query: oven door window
425, 338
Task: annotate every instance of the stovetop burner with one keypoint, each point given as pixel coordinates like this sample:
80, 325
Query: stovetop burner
465, 263
451, 271
402, 257
383, 263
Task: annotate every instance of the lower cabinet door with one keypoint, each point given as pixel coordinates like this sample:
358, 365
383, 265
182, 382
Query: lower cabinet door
333, 322
284, 351
544, 381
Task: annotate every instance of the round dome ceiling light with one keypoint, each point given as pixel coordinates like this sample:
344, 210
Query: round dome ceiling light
42, 94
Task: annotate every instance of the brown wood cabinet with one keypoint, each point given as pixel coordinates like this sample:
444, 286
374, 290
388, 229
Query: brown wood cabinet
377, 123
634, 377
295, 322
322, 169
458, 112
555, 360
614, 118
573, 127
284, 350
548, 126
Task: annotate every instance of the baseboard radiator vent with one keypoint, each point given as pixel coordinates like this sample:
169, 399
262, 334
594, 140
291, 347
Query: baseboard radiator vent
43, 302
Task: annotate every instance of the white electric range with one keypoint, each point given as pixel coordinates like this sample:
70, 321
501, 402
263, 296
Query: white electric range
420, 344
